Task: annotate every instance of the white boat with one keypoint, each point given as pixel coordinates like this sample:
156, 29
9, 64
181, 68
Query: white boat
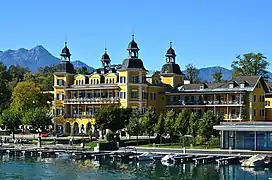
257, 160
169, 158
147, 156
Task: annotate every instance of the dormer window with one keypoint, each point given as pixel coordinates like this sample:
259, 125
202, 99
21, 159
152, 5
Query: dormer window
231, 85
242, 85
201, 87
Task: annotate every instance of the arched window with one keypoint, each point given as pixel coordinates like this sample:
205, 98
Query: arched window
91, 81
97, 81
82, 82
107, 81
110, 80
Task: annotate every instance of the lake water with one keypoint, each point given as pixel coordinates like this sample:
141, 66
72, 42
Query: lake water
66, 169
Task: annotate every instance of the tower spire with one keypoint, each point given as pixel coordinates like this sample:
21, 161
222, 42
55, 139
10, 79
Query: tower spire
170, 44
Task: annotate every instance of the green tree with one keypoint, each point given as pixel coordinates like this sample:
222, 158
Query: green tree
82, 70
182, 122
193, 124
10, 119
217, 77
169, 123
16, 73
159, 126
192, 73
250, 64
45, 78
134, 127
148, 120
38, 118
5, 92
209, 120
112, 118
27, 95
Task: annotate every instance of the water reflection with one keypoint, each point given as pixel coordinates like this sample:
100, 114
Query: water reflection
57, 168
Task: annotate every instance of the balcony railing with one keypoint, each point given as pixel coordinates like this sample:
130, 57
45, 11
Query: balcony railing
180, 102
92, 100
79, 115
233, 117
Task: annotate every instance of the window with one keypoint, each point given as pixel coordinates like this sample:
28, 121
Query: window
133, 94
59, 111
143, 79
242, 85
122, 95
144, 95
153, 96
260, 112
60, 82
59, 96
254, 112
91, 81
231, 85
122, 79
135, 79
267, 103
254, 98
107, 81
202, 87
97, 81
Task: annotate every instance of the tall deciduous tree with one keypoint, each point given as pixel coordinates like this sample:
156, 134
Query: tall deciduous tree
217, 77
192, 73
160, 126
38, 118
209, 120
27, 95
169, 123
182, 122
148, 120
112, 118
134, 127
193, 123
5, 92
250, 64
11, 119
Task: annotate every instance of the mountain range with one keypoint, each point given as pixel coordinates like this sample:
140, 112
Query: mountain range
39, 57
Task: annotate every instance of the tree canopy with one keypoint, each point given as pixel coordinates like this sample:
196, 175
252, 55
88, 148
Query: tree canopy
250, 64
11, 119
27, 95
38, 117
112, 118
217, 77
192, 73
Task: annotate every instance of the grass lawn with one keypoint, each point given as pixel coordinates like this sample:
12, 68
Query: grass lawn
180, 146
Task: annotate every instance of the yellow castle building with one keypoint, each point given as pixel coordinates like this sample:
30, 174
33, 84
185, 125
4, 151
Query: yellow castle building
79, 97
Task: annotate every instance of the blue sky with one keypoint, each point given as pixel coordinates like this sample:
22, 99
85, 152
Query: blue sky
204, 32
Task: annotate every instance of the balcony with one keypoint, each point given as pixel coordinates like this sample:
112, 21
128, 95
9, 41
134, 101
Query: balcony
79, 116
206, 103
224, 103
92, 101
235, 117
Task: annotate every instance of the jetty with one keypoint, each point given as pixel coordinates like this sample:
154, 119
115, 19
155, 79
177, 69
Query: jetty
123, 154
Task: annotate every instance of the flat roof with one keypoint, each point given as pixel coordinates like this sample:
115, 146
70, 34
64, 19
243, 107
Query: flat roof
244, 126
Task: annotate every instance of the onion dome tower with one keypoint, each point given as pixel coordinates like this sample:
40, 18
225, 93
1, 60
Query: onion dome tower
133, 61
105, 59
65, 66
171, 67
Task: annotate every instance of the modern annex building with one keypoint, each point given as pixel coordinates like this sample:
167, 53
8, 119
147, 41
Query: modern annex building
79, 97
